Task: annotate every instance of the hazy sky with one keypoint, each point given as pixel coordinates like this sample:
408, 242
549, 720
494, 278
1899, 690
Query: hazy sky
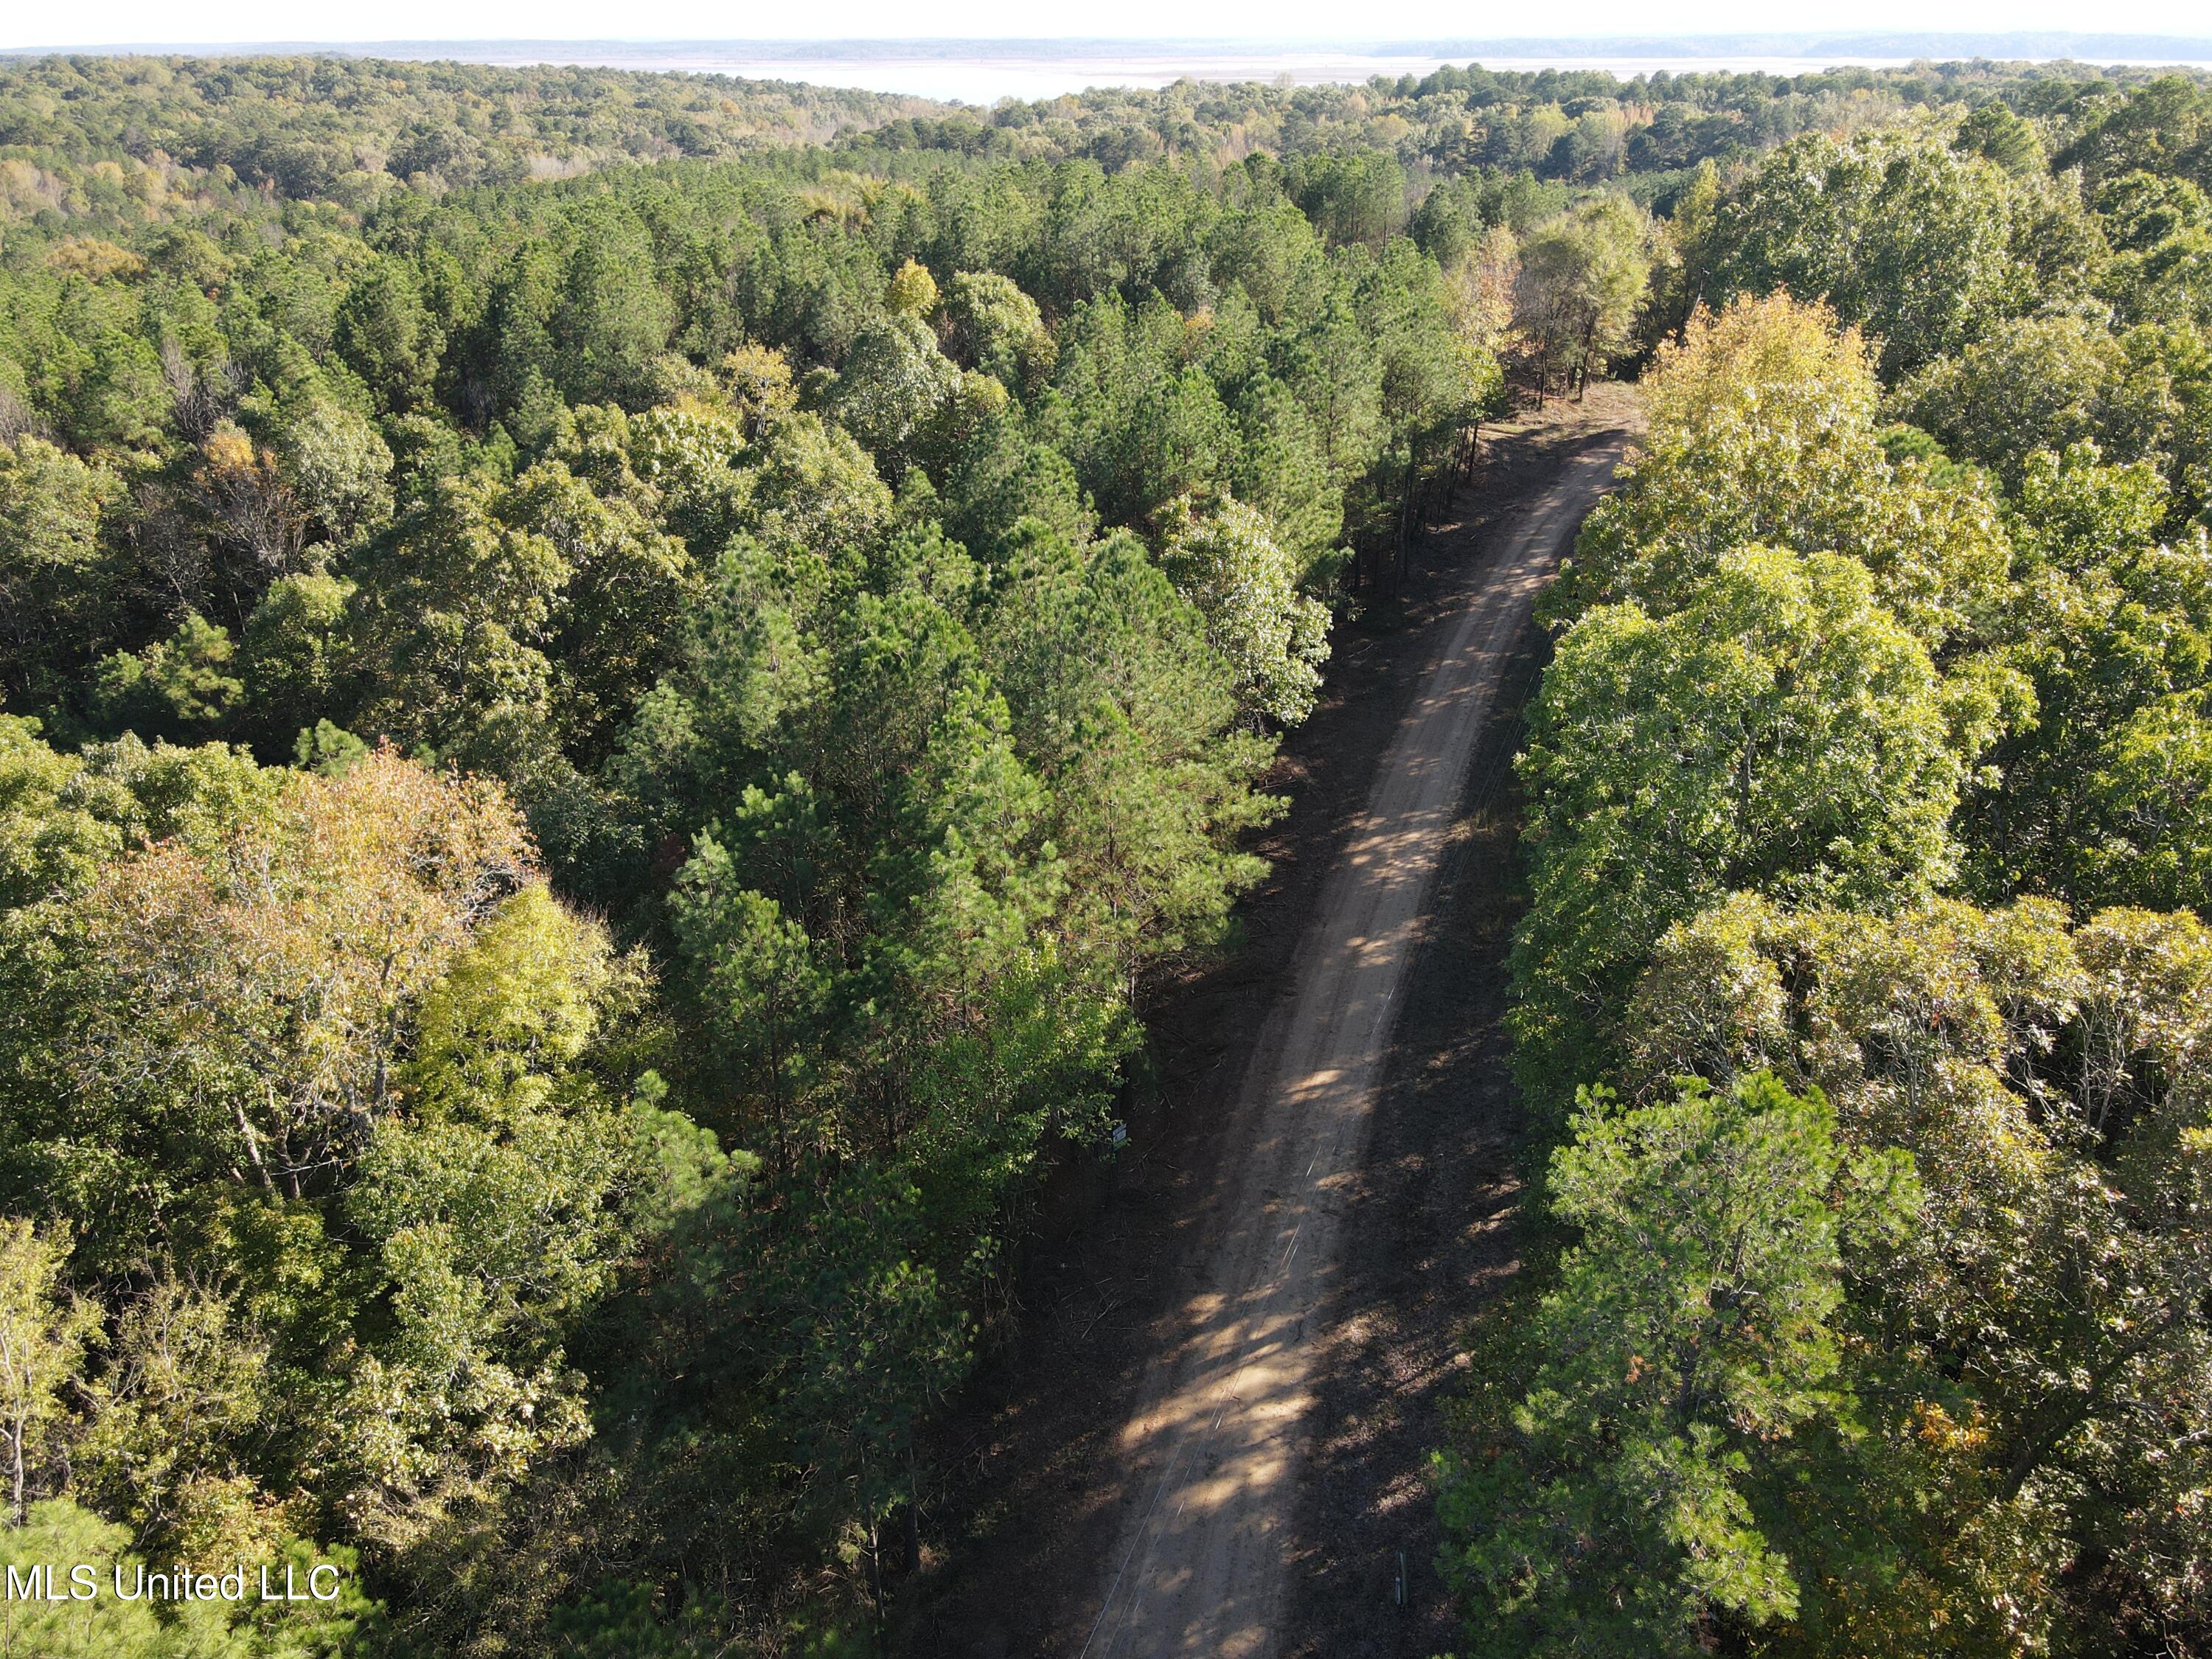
26, 23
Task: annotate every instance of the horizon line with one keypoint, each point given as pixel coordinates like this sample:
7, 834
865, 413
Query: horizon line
1950, 44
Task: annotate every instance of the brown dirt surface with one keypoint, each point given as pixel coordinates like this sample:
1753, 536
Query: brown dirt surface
1205, 1431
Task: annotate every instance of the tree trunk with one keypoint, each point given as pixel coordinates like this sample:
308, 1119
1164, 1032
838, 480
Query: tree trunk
1408, 518
876, 1580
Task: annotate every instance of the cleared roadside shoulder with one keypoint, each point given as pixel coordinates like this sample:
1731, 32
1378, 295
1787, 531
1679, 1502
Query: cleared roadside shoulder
1202, 1565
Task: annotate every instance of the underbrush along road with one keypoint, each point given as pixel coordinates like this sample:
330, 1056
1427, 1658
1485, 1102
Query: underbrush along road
1200, 1567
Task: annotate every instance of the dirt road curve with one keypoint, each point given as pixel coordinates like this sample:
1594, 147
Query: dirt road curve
1200, 1569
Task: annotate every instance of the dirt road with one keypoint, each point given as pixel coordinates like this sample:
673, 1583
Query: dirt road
1200, 1568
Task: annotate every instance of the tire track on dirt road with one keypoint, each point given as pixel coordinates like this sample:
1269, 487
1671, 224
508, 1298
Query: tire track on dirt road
1200, 1567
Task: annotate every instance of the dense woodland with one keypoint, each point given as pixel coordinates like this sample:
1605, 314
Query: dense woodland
1863, 996
615, 691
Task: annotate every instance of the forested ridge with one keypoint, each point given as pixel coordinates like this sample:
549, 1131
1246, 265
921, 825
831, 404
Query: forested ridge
87, 143
93, 142
597, 771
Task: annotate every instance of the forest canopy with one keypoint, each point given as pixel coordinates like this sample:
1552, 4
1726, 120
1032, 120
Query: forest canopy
1857, 992
601, 755
619, 693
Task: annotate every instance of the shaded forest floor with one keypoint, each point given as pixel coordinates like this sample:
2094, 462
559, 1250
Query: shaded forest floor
1028, 1495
